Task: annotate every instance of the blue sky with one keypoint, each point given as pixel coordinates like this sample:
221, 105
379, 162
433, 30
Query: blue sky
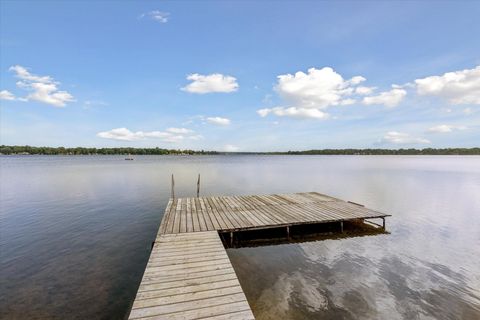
246, 76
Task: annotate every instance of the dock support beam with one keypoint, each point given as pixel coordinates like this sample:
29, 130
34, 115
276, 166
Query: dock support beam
341, 226
231, 239
288, 232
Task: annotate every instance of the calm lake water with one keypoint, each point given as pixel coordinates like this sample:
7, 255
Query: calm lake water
75, 234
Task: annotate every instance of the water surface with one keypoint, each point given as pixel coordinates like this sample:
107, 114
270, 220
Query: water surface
75, 234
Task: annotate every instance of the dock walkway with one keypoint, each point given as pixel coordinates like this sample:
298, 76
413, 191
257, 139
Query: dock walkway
189, 275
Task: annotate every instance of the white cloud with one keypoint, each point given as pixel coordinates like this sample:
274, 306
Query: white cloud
444, 128
365, 90
308, 95
230, 148
169, 135
48, 93
318, 89
402, 138
458, 87
294, 112
387, 98
24, 74
196, 137
216, 82
468, 111
179, 130
121, 134
219, 121
157, 15
43, 88
6, 95
347, 102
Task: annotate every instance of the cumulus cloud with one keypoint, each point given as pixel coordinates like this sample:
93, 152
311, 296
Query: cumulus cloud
215, 82
6, 95
402, 138
458, 87
219, 121
389, 99
179, 130
364, 90
42, 88
230, 148
318, 88
169, 135
309, 95
444, 128
157, 15
294, 112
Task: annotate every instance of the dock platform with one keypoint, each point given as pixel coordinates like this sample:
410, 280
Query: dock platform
189, 275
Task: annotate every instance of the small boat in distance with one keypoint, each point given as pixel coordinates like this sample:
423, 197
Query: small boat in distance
129, 157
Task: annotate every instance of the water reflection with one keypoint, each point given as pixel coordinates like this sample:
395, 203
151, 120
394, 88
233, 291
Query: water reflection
75, 234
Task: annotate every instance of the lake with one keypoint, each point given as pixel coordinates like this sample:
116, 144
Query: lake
75, 234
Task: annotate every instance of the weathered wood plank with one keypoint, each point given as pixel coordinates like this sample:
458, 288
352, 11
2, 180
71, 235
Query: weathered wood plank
186, 297
163, 223
220, 309
215, 222
178, 216
187, 279
183, 213
187, 305
165, 292
234, 217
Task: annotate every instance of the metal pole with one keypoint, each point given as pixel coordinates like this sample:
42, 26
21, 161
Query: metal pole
173, 188
198, 186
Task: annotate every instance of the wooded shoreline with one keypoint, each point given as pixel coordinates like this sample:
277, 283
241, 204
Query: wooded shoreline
30, 150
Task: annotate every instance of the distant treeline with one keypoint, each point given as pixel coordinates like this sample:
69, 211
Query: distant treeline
90, 151
160, 151
426, 151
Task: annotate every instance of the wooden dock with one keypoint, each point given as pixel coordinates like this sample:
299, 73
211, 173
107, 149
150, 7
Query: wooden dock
189, 275
237, 213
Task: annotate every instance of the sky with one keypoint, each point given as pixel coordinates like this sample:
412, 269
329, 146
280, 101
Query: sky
240, 75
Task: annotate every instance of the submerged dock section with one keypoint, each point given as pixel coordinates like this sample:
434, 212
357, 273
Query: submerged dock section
189, 275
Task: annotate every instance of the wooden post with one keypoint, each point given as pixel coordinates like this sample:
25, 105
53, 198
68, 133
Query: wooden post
288, 232
383, 223
231, 239
198, 186
173, 188
341, 226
